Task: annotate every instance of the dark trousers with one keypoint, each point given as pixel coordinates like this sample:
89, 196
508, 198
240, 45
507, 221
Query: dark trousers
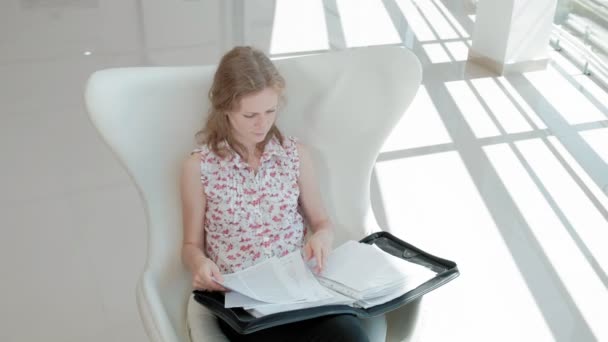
327, 328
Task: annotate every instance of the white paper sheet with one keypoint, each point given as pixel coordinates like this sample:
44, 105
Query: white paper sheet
366, 275
233, 299
276, 281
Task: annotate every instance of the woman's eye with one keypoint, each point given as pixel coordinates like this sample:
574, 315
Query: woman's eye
249, 116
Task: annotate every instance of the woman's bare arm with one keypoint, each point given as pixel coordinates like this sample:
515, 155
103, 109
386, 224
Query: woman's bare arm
194, 203
193, 210
310, 196
320, 243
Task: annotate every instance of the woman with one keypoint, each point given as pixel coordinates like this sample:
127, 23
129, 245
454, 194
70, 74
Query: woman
243, 191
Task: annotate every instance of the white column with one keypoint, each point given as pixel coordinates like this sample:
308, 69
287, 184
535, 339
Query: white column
512, 35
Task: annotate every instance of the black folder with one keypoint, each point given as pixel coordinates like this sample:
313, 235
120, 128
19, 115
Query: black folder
244, 323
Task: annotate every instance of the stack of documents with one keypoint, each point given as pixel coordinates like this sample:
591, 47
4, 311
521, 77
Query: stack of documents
369, 275
356, 274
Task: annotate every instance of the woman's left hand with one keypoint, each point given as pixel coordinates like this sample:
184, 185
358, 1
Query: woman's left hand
319, 247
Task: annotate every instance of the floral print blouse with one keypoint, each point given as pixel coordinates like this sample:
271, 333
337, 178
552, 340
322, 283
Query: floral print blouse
251, 216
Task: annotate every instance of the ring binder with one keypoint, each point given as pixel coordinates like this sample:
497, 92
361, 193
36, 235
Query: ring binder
244, 323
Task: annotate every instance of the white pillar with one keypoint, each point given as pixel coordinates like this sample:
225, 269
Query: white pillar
512, 35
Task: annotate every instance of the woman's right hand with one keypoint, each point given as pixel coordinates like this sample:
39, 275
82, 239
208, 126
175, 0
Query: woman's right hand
202, 278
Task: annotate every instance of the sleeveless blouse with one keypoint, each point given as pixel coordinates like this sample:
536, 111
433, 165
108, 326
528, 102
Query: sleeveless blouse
251, 216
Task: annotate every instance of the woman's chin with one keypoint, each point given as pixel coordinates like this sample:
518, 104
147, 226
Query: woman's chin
259, 137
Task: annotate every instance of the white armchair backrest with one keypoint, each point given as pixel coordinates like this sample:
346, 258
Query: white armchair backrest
342, 105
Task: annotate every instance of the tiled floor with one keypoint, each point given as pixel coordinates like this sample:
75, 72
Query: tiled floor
503, 175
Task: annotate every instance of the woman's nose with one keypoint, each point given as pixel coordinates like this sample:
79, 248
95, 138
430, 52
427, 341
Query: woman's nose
259, 121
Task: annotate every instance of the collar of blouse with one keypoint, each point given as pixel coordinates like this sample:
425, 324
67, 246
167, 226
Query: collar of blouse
272, 149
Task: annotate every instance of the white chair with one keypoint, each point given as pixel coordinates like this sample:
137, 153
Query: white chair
342, 105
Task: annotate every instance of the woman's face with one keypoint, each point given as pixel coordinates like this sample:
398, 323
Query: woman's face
254, 117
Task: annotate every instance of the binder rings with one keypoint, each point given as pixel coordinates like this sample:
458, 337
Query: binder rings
244, 323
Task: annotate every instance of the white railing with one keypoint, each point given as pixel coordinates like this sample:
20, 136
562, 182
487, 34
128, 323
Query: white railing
580, 54
590, 33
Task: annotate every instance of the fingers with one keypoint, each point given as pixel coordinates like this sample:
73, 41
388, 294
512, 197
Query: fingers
318, 254
215, 273
209, 285
323, 261
215, 287
321, 255
325, 252
318, 251
198, 284
204, 279
308, 251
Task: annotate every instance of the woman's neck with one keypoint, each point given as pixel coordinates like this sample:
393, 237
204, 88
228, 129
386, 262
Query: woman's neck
250, 149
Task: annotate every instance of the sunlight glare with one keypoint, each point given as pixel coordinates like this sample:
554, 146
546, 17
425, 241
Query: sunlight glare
437, 20
432, 201
472, 111
503, 109
523, 105
564, 63
366, 22
564, 97
585, 219
419, 126
575, 272
436, 53
458, 50
578, 169
595, 90
451, 18
419, 26
299, 26
597, 139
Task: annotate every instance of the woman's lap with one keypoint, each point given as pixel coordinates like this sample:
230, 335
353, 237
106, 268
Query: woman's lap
326, 328
203, 326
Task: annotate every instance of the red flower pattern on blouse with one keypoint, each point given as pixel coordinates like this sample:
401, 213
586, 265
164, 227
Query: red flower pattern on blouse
251, 216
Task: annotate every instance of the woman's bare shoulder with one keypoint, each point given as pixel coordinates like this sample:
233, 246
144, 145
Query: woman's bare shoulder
194, 161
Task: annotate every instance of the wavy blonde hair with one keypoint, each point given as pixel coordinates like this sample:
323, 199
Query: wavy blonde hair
242, 71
